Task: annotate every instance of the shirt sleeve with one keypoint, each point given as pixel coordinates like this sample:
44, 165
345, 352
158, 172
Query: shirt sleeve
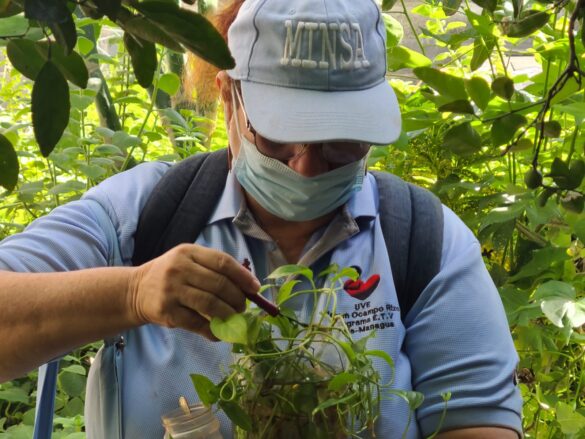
459, 341
74, 236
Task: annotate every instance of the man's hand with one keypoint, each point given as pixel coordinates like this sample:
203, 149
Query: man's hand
187, 286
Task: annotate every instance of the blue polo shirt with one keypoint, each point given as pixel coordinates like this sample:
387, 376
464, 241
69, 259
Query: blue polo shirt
455, 338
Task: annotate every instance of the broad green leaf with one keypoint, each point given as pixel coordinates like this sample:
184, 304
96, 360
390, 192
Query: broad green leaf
341, 380
109, 8
291, 270
9, 166
206, 390
530, 23
570, 421
462, 139
71, 65
143, 57
502, 214
381, 354
401, 57
503, 87
562, 175
394, 31
285, 290
559, 309
69, 186
48, 11
84, 45
575, 109
388, 4
333, 402
75, 368
4, 5
143, 28
236, 414
92, 171
504, 128
14, 394
523, 144
541, 262
414, 399
72, 384
579, 229
190, 29
50, 107
29, 57
25, 58
479, 91
232, 330
65, 34
482, 49
445, 84
13, 26
555, 288
348, 350
450, 7
170, 83
552, 129
462, 106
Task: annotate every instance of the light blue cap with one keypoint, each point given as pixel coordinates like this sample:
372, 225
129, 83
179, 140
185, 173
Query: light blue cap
314, 70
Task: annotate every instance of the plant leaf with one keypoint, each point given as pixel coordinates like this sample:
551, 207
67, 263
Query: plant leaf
206, 390
388, 4
291, 270
48, 11
190, 29
401, 57
482, 49
13, 26
450, 7
341, 380
232, 330
504, 128
532, 21
170, 83
9, 166
65, 33
50, 107
236, 414
462, 106
503, 87
479, 91
143, 28
381, 354
445, 84
143, 57
394, 31
462, 139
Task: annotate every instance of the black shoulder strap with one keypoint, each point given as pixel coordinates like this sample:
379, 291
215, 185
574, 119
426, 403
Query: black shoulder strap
180, 205
412, 223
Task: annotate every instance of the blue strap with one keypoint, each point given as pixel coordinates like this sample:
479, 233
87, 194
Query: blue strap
47, 387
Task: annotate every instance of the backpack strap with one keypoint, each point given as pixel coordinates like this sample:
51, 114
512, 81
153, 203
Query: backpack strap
180, 205
412, 223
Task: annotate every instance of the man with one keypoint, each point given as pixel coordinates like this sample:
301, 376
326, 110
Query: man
307, 99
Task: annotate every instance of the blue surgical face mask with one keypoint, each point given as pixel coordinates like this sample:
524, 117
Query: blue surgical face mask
288, 194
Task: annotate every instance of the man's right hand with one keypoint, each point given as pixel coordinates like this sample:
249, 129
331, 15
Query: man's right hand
189, 285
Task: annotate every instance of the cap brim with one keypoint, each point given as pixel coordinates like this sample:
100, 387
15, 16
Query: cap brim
291, 115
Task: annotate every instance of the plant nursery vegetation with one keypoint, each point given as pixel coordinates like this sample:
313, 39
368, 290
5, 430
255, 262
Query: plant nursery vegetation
91, 88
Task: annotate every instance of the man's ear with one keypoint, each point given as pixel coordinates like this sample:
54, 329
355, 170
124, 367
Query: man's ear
224, 84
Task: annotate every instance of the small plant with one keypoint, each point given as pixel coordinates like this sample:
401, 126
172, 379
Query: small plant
293, 379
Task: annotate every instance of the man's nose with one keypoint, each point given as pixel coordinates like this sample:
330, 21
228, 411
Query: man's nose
310, 163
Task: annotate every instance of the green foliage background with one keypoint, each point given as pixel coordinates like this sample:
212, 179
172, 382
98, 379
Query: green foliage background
504, 150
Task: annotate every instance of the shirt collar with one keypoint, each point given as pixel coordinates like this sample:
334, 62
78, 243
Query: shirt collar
363, 204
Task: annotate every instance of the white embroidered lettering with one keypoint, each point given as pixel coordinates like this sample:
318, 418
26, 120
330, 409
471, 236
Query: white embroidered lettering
292, 45
359, 47
346, 63
309, 63
342, 45
327, 48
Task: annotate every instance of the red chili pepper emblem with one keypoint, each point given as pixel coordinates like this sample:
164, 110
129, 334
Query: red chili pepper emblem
359, 289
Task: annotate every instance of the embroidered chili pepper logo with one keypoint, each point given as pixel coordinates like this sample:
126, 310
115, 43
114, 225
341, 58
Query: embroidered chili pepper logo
360, 289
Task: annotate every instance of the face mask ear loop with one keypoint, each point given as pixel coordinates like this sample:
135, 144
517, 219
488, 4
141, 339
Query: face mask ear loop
237, 99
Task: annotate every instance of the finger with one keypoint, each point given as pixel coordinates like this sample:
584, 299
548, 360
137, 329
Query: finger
188, 319
206, 304
204, 279
223, 263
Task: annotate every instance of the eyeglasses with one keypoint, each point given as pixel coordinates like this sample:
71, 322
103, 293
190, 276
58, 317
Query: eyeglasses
337, 153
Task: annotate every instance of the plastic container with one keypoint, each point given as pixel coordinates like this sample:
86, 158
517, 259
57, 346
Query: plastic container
200, 423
